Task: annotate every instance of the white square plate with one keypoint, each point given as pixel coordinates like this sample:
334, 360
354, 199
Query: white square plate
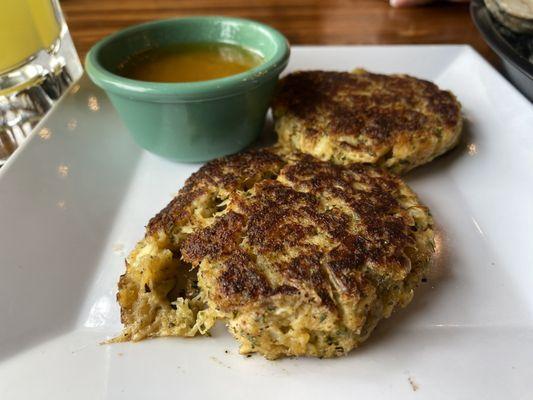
75, 199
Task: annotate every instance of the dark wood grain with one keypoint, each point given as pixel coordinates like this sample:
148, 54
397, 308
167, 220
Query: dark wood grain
303, 22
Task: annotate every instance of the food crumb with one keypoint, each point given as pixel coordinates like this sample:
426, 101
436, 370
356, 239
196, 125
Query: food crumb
62, 170
413, 384
226, 351
120, 354
248, 355
118, 248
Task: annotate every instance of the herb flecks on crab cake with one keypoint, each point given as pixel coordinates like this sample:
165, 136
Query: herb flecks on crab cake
394, 121
297, 256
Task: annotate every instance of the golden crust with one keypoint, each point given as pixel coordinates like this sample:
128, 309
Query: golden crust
395, 121
299, 256
220, 176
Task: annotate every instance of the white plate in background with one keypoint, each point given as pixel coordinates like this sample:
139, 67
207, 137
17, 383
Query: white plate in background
75, 199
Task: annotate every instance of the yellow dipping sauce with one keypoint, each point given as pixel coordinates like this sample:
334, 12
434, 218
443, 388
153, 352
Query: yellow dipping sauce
191, 62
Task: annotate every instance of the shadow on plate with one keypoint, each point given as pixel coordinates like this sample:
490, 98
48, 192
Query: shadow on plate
268, 136
63, 252
440, 276
441, 273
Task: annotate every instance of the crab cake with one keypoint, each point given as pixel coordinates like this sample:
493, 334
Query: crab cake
158, 294
298, 256
395, 121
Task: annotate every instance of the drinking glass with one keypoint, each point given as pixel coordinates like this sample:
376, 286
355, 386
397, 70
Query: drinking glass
38, 62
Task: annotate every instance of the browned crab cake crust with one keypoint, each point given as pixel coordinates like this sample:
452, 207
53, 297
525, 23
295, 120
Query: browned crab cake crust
299, 256
395, 121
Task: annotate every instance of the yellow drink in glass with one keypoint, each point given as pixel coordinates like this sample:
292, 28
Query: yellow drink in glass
38, 62
26, 26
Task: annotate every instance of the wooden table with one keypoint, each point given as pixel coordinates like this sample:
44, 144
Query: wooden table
303, 22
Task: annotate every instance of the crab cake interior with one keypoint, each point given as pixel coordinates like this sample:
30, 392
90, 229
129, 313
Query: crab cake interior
298, 256
395, 121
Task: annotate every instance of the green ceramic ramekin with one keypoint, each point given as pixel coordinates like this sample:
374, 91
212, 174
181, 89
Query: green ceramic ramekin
194, 121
